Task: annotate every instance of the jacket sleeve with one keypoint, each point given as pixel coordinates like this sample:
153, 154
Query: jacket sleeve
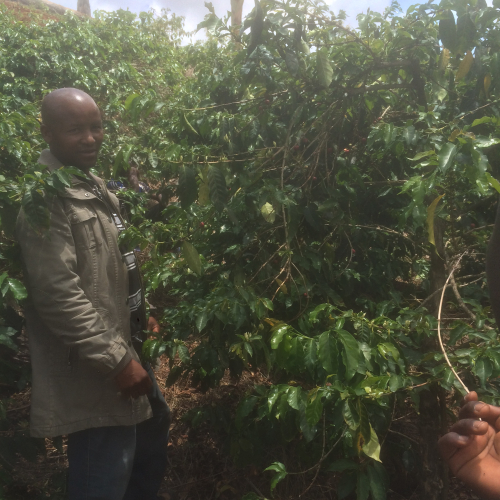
54, 286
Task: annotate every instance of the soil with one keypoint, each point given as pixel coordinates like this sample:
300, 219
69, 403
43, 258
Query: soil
200, 468
24, 13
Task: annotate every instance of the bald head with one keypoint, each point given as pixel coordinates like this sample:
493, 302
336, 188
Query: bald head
54, 103
71, 125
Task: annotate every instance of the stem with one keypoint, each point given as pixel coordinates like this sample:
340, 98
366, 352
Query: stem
439, 324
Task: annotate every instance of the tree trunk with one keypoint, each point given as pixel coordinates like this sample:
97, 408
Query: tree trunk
83, 6
236, 14
432, 412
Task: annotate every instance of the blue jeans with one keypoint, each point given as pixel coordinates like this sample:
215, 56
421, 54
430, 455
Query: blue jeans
123, 462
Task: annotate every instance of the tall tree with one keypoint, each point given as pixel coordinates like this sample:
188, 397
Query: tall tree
83, 6
236, 14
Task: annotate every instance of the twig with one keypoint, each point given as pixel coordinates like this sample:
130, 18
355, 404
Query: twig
477, 109
460, 301
403, 435
321, 459
255, 488
324, 457
19, 408
439, 324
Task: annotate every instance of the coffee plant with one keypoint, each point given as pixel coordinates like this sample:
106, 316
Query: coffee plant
314, 186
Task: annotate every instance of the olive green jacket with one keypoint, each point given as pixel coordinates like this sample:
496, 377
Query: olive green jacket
77, 318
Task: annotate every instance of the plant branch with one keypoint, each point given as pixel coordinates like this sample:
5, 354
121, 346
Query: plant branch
439, 323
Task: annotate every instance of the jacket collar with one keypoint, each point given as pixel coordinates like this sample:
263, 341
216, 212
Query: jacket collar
79, 187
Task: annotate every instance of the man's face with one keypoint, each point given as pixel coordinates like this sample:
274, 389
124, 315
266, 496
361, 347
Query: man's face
76, 134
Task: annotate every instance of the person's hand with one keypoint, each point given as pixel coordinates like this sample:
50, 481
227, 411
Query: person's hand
133, 381
153, 325
472, 447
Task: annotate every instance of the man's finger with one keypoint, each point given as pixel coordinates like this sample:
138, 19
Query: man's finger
450, 443
480, 410
470, 427
470, 396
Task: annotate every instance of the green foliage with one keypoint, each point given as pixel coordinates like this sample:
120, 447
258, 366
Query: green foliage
300, 238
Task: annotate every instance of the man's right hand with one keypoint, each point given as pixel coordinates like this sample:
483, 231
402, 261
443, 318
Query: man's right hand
472, 447
133, 381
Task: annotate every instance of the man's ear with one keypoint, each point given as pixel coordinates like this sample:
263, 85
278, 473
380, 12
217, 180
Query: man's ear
46, 133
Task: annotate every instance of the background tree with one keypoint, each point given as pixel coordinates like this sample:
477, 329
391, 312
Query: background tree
236, 15
83, 6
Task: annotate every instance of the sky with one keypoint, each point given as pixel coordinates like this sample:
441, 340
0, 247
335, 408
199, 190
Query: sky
194, 10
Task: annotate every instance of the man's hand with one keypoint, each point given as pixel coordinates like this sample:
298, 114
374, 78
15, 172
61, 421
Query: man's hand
153, 325
133, 381
472, 447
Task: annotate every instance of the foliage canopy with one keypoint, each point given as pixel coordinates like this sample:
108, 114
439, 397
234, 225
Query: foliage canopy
322, 180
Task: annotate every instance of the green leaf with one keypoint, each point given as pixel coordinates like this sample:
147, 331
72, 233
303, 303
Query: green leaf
395, 382
341, 465
423, 154
36, 211
292, 63
153, 159
278, 336
325, 70
351, 354
204, 194
314, 410
430, 219
464, 66
273, 395
183, 353
372, 447
187, 126
446, 156
192, 257
175, 373
268, 212
448, 30
5, 337
444, 59
493, 182
187, 189
267, 303
310, 357
466, 31
244, 409
364, 422
483, 369
376, 474
16, 288
201, 321
346, 485
129, 100
294, 397
328, 353
281, 473
362, 486
218, 188
386, 348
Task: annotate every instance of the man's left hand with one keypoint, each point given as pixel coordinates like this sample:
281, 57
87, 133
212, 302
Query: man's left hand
153, 325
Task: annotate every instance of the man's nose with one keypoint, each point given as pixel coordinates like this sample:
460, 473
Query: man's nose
88, 137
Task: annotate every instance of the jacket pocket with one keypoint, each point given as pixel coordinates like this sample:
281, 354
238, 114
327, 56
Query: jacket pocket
83, 223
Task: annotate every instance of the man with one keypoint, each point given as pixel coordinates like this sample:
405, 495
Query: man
86, 306
472, 447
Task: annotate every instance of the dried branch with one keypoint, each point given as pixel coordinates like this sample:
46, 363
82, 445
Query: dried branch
439, 324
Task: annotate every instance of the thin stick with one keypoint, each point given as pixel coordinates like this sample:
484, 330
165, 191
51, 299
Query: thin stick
439, 324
